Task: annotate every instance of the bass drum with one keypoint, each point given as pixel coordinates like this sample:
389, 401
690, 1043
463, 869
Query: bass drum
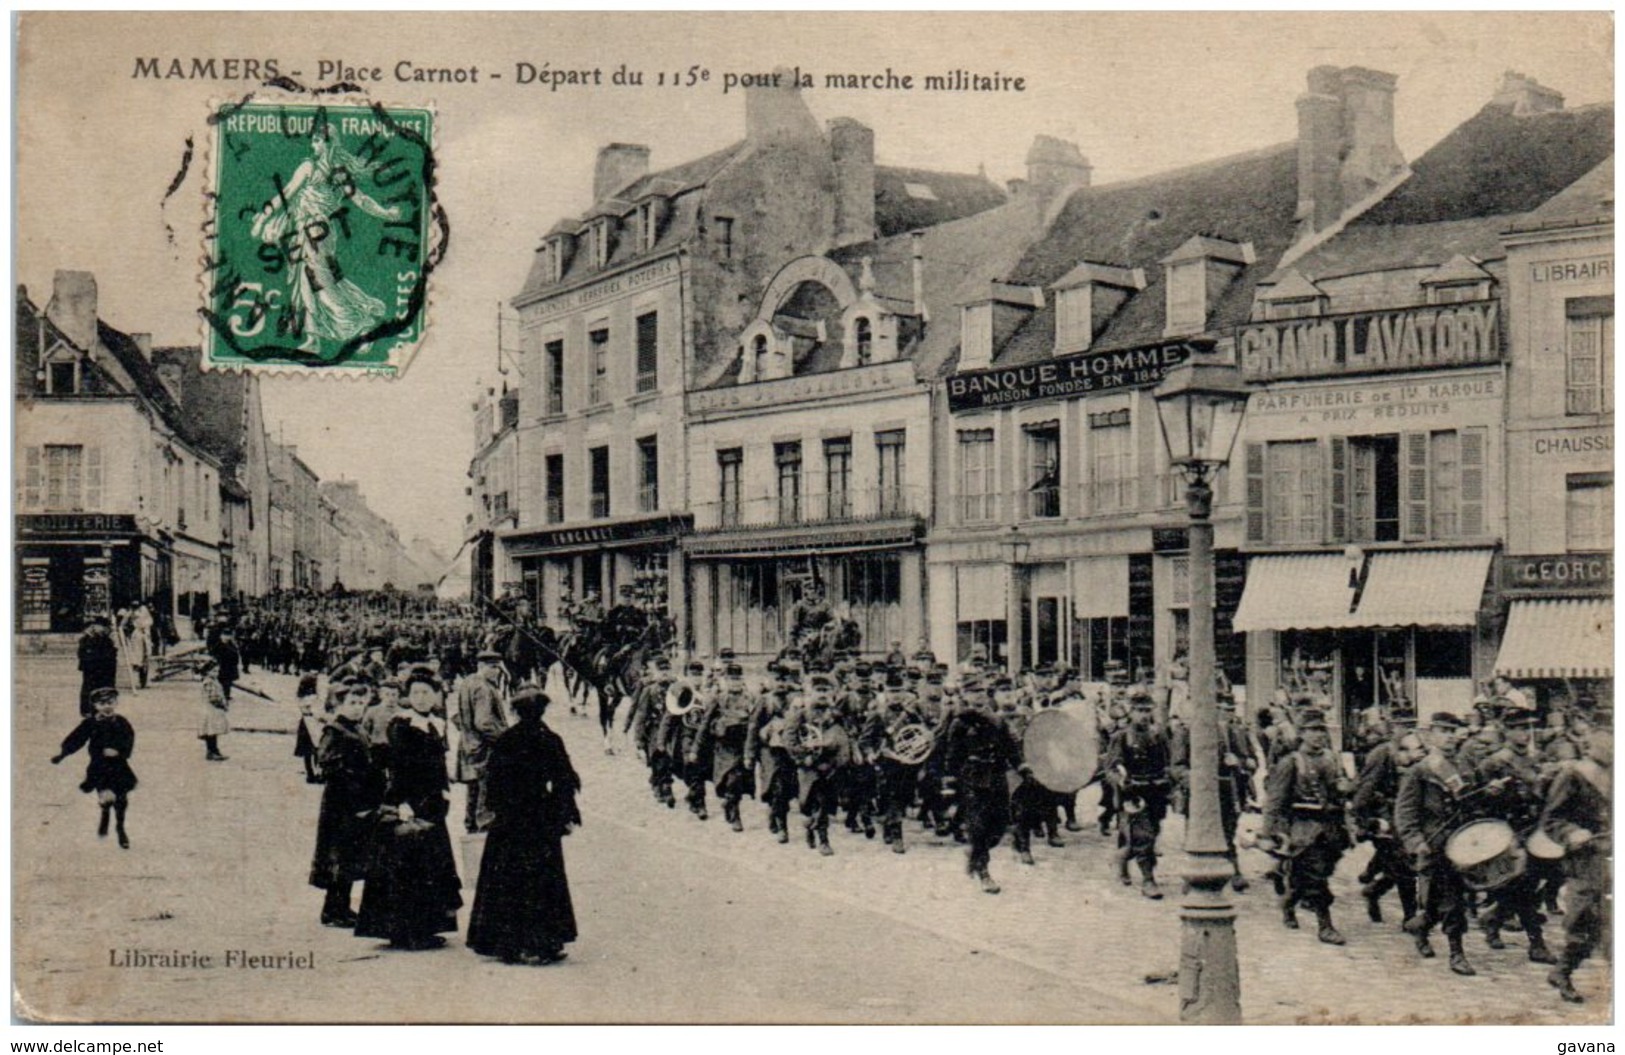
1486, 854
1062, 750
1541, 846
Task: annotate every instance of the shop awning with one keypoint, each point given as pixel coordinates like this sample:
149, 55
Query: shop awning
1423, 588
1301, 591
1568, 638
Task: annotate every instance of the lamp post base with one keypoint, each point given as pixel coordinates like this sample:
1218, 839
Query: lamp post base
1209, 979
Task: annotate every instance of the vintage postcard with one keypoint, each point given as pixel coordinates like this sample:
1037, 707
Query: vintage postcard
813, 518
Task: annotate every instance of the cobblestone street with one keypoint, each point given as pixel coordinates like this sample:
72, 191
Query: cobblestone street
681, 920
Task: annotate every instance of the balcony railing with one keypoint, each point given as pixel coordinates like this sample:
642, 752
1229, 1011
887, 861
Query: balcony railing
648, 498
837, 507
555, 510
1155, 493
599, 506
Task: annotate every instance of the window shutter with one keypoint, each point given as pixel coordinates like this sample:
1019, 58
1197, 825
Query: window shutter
1255, 492
32, 479
1415, 454
1337, 503
1473, 442
93, 478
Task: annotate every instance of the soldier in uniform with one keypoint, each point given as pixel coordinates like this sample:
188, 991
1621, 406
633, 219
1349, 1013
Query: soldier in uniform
1136, 765
1303, 816
723, 732
1425, 813
767, 754
644, 725
1578, 816
680, 734
1373, 808
896, 715
979, 752
821, 748
1514, 771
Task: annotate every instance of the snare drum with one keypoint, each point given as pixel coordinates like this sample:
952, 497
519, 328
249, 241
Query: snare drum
1486, 854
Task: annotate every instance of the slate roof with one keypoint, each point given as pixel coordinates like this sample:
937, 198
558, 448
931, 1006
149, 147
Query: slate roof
953, 196
212, 401
1466, 191
1589, 199
1250, 197
1496, 164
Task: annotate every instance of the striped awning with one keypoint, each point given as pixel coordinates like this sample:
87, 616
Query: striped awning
1303, 591
1423, 588
1567, 638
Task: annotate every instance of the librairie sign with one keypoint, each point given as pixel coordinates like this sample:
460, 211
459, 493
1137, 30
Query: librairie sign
1423, 338
1085, 373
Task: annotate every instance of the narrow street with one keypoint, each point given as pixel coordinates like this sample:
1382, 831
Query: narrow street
681, 921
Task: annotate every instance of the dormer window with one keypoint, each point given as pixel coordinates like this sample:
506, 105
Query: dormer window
758, 358
648, 226
1197, 274
556, 255
863, 341
62, 377
1086, 298
1292, 297
600, 243
1460, 279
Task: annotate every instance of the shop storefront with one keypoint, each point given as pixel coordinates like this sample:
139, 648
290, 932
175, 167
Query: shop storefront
72, 566
602, 558
746, 587
1559, 619
1404, 632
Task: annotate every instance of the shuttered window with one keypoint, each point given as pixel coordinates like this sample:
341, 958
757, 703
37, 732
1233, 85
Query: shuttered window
976, 493
1588, 347
1294, 485
1257, 520
648, 364
1414, 456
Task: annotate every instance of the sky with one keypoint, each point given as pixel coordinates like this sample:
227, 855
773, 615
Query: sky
98, 147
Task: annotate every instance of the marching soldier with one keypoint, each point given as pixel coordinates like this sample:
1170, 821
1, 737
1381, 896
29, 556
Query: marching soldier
821, 749
679, 735
1304, 818
1373, 807
1136, 764
648, 706
1515, 768
723, 732
1425, 813
893, 737
979, 752
767, 753
1578, 816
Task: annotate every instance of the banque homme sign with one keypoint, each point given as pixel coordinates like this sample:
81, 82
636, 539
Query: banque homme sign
1084, 373
1423, 338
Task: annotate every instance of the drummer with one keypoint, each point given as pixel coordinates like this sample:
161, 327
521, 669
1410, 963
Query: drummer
1515, 766
1424, 817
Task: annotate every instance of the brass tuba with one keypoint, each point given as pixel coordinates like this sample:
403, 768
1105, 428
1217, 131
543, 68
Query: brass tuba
909, 743
683, 702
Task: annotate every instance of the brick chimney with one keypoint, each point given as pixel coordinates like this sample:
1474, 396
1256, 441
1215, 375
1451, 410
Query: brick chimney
1346, 142
778, 112
73, 307
1526, 95
852, 148
618, 165
1055, 166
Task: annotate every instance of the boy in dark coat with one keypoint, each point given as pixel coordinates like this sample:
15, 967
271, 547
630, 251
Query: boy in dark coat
344, 827
110, 740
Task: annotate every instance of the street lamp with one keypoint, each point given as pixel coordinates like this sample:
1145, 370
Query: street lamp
1200, 405
1016, 546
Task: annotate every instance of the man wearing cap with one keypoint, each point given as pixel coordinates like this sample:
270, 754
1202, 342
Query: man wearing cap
1303, 816
821, 748
723, 731
1136, 764
480, 720
896, 777
767, 755
1373, 808
979, 752
644, 724
1425, 814
1513, 791
682, 732
1578, 816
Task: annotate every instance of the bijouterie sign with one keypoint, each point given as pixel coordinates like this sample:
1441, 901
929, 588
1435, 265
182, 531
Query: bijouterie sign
1086, 373
1415, 339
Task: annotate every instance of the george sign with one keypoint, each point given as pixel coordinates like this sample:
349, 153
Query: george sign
1084, 373
1563, 573
77, 524
649, 529
1424, 338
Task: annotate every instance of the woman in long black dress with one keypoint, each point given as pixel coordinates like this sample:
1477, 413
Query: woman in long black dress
522, 910
412, 892
345, 825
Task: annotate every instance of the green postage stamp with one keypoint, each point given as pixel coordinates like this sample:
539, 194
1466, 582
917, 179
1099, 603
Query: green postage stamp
318, 253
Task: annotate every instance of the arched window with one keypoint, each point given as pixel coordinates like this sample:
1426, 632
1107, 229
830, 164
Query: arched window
863, 339
758, 351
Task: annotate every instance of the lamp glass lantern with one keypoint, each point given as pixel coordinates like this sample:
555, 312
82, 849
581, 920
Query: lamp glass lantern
1200, 406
